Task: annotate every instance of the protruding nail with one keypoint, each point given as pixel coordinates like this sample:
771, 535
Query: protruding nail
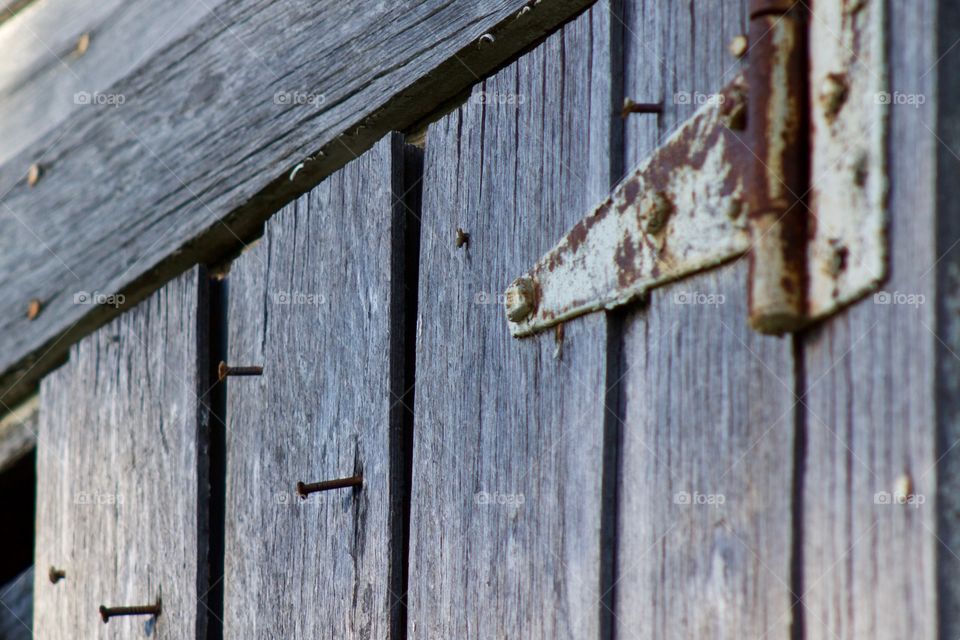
34, 173
224, 370
56, 575
304, 489
833, 93
83, 43
463, 238
629, 106
144, 610
33, 309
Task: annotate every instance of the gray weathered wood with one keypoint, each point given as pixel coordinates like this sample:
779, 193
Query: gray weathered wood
314, 304
16, 607
947, 328
705, 509
120, 454
18, 432
508, 454
203, 148
39, 83
869, 569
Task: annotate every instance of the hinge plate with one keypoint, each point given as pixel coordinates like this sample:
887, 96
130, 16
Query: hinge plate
688, 206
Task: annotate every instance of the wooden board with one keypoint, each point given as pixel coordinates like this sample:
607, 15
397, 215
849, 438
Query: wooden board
203, 148
16, 607
51, 73
18, 432
121, 464
869, 567
317, 303
509, 439
705, 509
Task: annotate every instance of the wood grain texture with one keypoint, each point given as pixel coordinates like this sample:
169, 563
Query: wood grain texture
314, 304
705, 510
203, 149
869, 566
16, 607
40, 83
508, 442
121, 455
18, 432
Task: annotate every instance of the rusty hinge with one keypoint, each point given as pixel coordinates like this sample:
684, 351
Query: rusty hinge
785, 165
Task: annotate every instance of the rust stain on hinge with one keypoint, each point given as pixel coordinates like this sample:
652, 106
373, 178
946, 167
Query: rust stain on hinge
680, 212
776, 181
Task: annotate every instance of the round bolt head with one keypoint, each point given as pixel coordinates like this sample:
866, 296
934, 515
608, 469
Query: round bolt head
520, 299
656, 209
833, 93
738, 46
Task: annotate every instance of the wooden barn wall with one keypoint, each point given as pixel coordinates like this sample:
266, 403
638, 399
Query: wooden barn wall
319, 303
509, 436
661, 471
121, 453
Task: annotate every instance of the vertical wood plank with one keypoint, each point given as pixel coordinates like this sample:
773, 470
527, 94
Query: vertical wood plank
869, 414
508, 439
311, 303
121, 463
704, 546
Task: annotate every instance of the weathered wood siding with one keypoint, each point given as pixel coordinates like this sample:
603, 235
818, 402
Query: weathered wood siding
508, 439
121, 456
315, 303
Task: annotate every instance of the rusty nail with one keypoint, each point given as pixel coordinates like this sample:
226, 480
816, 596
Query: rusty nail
83, 43
224, 370
56, 575
657, 210
902, 488
861, 170
520, 299
629, 106
463, 238
304, 489
144, 610
833, 93
33, 309
558, 341
734, 111
738, 46
34, 173
852, 7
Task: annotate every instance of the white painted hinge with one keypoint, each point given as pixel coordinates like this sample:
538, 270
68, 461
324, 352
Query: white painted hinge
786, 166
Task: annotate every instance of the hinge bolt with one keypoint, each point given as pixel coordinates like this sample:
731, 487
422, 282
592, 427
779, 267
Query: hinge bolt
657, 210
463, 238
520, 299
56, 575
833, 93
738, 46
